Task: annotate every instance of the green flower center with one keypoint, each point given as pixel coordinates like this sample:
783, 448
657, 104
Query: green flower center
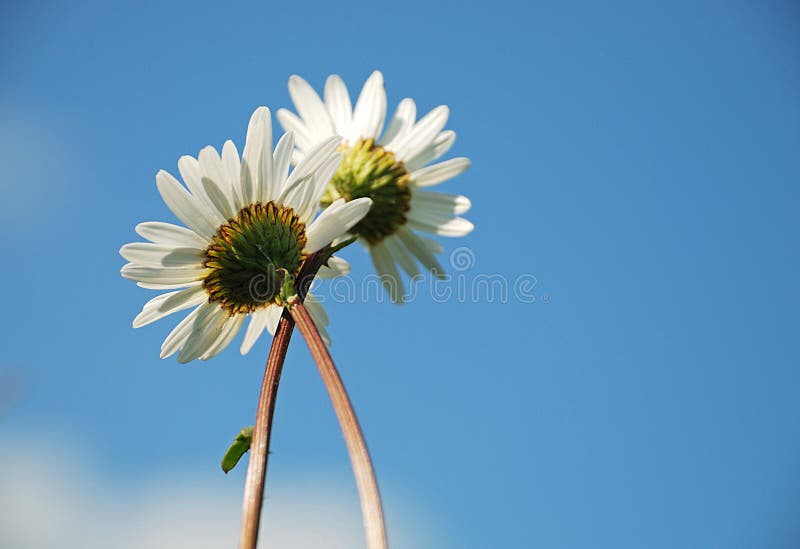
250, 256
370, 170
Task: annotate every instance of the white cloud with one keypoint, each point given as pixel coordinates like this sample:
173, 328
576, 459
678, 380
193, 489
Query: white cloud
34, 160
52, 499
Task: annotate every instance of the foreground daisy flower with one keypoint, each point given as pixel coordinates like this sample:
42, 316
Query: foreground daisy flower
247, 228
392, 169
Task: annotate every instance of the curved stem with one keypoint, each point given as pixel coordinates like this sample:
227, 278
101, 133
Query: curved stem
259, 448
356, 446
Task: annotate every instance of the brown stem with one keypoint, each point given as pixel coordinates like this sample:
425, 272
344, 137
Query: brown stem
356, 446
259, 448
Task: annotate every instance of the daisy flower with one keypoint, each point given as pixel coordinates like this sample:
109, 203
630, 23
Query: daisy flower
248, 224
391, 167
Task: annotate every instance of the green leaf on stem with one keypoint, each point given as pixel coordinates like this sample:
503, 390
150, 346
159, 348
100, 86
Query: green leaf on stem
287, 288
241, 444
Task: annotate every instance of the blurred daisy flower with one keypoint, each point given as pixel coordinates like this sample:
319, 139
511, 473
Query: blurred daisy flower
249, 224
391, 167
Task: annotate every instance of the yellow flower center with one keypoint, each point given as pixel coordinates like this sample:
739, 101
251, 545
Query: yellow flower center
369, 170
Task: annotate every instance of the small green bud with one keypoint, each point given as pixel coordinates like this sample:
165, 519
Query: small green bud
241, 444
287, 287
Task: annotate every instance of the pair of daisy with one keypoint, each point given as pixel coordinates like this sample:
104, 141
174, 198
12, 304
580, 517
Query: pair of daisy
249, 221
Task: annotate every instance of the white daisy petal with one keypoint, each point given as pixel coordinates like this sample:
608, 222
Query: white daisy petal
311, 108
325, 173
435, 247
191, 211
437, 173
163, 275
320, 317
254, 144
453, 204
178, 336
334, 221
192, 174
168, 234
336, 267
231, 167
298, 193
291, 123
441, 144
266, 184
401, 255
441, 223
370, 111
300, 187
158, 255
305, 206
214, 182
387, 270
258, 321
323, 333
154, 286
229, 330
403, 120
322, 178
297, 155
313, 160
326, 273
205, 331
166, 304
210, 164
219, 199
273, 316
422, 134
423, 249
337, 100
281, 161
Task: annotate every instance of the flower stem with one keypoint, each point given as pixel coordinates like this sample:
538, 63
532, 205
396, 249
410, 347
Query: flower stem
354, 438
259, 449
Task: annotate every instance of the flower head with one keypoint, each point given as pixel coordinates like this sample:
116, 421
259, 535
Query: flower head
390, 167
249, 225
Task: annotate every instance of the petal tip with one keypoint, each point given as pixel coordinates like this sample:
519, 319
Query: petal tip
260, 112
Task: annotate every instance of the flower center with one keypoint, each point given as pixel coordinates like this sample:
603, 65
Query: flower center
369, 170
250, 256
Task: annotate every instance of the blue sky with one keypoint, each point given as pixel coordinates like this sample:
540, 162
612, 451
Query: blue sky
639, 159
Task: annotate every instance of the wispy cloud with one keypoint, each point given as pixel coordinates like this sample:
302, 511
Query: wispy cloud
34, 159
52, 499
